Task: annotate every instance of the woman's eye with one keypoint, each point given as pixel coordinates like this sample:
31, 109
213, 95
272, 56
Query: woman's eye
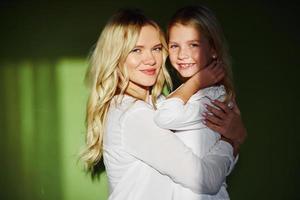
136, 51
157, 49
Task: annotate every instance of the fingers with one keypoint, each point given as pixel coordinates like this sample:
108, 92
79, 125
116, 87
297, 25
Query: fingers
221, 105
219, 113
219, 71
236, 110
230, 105
220, 75
216, 67
209, 67
235, 107
212, 65
213, 126
213, 119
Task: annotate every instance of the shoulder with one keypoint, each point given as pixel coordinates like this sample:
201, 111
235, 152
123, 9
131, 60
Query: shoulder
161, 98
139, 109
127, 106
214, 92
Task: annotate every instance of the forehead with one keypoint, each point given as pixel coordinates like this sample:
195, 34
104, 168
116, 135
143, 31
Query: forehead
184, 32
149, 35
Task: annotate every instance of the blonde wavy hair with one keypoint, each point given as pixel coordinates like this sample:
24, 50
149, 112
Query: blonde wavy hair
204, 20
108, 77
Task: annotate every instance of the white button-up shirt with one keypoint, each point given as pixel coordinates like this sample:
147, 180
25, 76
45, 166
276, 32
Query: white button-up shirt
186, 122
144, 161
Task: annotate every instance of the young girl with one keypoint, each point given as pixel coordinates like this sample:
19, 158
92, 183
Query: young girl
196, 42
142, 161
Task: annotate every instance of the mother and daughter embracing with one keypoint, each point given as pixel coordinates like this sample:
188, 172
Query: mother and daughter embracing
180, 146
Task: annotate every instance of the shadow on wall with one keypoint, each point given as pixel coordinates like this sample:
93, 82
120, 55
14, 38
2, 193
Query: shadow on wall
42, 131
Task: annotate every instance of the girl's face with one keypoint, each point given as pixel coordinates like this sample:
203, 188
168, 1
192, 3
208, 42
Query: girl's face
145, 60
189, 50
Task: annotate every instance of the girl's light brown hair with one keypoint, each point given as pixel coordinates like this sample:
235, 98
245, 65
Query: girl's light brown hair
205, 21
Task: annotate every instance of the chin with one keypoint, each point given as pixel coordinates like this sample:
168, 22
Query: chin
187, 74
148, 83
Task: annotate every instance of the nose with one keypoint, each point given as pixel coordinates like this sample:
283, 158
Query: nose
149, 59
182, 54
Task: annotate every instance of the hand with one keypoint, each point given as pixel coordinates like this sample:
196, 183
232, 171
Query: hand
226, 121
210, 75
204, 78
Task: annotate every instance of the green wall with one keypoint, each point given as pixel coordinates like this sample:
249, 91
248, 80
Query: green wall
43, 51
43, 131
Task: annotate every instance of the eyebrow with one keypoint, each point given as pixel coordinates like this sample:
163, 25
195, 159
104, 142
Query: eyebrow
141, 46
157, 45
187, 41
195, 41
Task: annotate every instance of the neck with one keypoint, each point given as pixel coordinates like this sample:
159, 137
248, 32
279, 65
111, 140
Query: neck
184, 79
137, 91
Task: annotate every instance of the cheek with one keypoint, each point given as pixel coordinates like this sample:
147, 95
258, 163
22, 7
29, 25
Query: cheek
132, 62
201, 58
159, 60
172, 57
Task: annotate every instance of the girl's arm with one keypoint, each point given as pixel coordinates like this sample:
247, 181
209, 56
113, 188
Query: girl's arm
167, 154
173, 114
204, 78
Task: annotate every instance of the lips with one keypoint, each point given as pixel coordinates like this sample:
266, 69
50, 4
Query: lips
149, 72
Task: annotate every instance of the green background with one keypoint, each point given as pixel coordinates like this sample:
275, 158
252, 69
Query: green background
43, 59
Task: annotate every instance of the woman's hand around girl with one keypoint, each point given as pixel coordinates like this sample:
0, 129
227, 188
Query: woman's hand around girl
226, 120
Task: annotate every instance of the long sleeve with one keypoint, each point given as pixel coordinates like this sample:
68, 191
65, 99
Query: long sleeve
173, 114
163, 151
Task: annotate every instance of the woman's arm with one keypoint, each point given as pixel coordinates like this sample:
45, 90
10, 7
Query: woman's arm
228, 122
168, 155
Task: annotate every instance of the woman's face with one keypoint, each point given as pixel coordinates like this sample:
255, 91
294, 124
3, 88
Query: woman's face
189, 50
145, 60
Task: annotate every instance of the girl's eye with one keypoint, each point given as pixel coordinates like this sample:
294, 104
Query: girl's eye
194, 45
136, 51
173, 46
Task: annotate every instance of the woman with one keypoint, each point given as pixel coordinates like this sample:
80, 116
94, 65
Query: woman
142, 160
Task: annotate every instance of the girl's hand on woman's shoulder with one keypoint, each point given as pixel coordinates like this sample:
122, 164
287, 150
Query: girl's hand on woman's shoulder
209, 75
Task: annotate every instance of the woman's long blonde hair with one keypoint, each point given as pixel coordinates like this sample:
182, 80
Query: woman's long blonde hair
204, 20
107, 77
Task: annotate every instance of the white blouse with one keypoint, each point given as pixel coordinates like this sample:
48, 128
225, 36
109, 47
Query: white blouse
143, 161
186, 122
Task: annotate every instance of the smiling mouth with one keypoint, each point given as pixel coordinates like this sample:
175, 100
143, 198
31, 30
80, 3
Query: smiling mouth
185, 65
149, 72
